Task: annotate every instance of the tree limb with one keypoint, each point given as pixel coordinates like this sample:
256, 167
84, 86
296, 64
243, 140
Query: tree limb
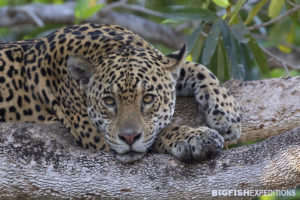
270, 107
40, 14
38, 162
41, 161
132, 7
281, 61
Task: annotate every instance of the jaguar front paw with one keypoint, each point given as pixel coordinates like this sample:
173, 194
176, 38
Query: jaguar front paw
226, 121
198, 145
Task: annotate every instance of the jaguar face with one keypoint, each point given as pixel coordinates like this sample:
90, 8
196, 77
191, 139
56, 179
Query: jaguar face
130, 102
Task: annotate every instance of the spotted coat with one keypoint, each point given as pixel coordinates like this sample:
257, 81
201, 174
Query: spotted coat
114, 91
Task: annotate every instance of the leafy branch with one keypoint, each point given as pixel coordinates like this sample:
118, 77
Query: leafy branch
273, 21
228, 53
284, 63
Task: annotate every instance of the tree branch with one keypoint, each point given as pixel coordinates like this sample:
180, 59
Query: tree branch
149, 30
283, 62
270, 107
124, 4
40, 14
38, 162
276, 19
291, 3
42, 161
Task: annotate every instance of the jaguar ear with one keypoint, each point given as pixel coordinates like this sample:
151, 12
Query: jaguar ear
81, 70
176, 60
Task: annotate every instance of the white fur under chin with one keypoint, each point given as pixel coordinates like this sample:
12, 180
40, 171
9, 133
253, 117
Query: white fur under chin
129, 157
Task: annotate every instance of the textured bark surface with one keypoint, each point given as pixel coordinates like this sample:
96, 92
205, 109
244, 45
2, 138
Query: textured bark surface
270, 107
42, 161
39, 161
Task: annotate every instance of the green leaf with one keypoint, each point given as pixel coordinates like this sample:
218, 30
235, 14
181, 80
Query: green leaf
249, 63
222, 3
276, 73
240, 31
236, 10
255, 10
197, 49
192, 39
228, 43
187, 13
79, 7
211, 43
48, 1
226, 35
275, 8
238, 70
58, 1
3, 3
166, 21
91, 11
259, 55
295, 16
222, 70
84, 10
232, 50
278, 31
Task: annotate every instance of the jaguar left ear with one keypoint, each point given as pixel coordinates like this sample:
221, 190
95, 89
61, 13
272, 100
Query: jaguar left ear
176, 60
80, 69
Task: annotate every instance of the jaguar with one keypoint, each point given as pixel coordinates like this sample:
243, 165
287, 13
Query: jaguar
114, 91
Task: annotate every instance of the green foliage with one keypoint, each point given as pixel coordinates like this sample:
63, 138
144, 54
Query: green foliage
4, 31
236, 10
3, 3
22, 2
259, 55
254, 11
222, 3
220, 37
192, 39
50, 1
187, 13
86, 8
278, 72
229, 48
211, 43
275, 8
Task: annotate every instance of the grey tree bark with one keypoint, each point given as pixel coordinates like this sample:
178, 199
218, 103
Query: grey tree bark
42, 161
270, 107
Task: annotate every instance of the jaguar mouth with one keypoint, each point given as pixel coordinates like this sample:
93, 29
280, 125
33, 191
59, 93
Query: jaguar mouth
129, 156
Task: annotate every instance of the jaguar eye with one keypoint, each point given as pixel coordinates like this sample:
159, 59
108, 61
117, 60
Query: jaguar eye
148, 98
109, 101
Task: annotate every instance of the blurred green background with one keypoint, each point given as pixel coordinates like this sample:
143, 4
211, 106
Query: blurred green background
219, 33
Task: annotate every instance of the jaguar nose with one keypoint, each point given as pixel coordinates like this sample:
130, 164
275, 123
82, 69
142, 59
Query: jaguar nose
131, 138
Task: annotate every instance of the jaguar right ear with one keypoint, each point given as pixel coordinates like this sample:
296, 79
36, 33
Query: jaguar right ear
80, 69
176, 60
